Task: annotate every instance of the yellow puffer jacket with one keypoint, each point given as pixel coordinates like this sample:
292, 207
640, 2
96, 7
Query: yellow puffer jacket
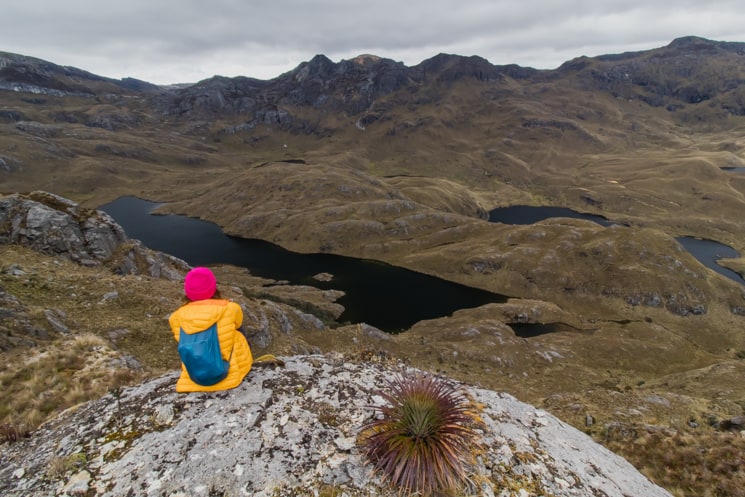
201, 314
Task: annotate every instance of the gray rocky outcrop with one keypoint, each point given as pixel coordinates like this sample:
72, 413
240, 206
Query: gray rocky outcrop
57, 226
16, 327
289, 431
9, 164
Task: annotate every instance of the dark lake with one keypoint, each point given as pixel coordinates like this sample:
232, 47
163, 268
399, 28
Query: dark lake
387, 297
528, 214
737, 169
706, 251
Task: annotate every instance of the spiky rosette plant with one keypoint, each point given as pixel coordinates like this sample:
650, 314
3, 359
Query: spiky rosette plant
423, 439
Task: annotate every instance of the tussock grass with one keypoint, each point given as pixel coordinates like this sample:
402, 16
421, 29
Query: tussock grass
694, 463
64, 374
51, 371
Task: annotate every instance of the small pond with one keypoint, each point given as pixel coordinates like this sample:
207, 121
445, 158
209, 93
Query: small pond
387, 297
528, 214
708, 252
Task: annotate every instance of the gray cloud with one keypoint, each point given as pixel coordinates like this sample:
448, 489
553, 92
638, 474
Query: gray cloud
167, 41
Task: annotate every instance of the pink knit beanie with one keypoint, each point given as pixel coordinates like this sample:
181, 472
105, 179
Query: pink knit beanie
200, 284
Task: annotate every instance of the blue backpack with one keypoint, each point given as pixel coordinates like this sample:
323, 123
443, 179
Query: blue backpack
200, 353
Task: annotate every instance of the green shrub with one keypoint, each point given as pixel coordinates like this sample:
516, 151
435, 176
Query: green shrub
423, 439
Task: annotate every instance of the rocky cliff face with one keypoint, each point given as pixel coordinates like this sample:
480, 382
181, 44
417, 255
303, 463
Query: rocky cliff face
55, 225
287, 432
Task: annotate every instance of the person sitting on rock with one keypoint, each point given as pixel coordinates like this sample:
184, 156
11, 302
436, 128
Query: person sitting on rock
204, 322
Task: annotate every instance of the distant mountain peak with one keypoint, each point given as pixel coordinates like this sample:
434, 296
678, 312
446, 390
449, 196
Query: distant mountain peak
699, 43
365, 59
688, 41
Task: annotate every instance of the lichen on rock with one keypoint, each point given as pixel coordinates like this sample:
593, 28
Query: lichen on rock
290, 431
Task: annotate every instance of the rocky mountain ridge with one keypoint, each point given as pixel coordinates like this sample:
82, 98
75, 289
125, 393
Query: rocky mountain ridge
356, 83
31, 75
688, 71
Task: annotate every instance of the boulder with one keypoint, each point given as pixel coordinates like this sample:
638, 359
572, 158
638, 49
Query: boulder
290, 431
58, 226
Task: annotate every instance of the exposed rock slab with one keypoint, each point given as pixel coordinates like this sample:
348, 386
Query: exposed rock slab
289, 431
54, 225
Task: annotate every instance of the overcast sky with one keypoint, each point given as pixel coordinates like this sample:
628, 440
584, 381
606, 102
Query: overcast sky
175, 41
